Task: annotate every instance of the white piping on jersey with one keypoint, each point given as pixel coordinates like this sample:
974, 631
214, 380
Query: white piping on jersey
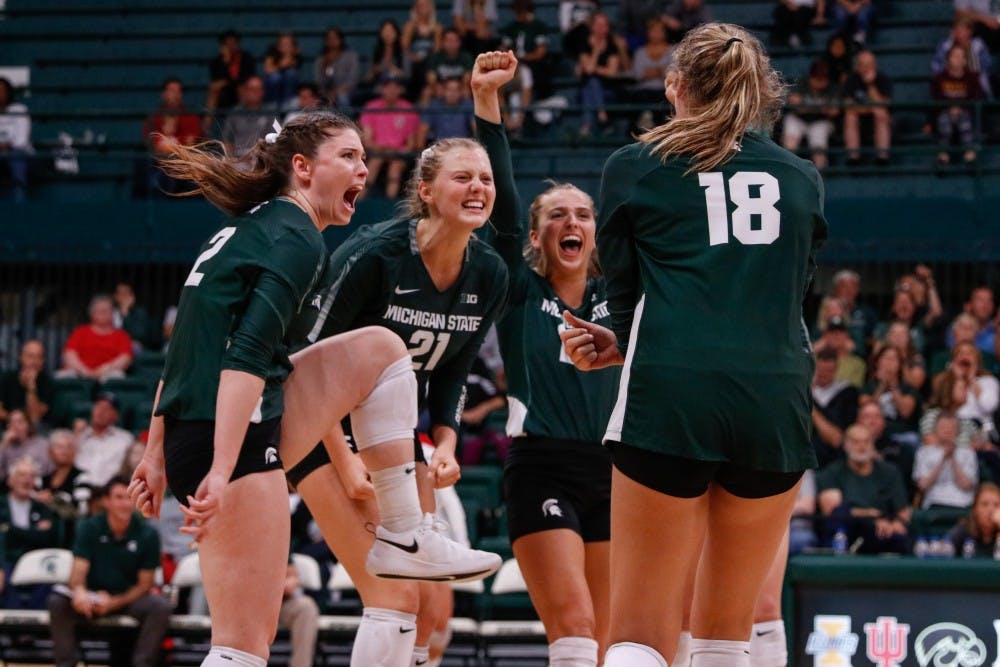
617, 420
331, 294
517, 413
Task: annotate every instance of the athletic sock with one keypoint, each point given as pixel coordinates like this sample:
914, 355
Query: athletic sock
421, 656
573, 652
768, 644
397, 498
385, 637
719, 653
630, 654
223, 656
683, 656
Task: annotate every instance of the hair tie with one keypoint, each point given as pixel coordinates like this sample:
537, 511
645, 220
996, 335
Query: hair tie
730, 42
272, 137
426, 153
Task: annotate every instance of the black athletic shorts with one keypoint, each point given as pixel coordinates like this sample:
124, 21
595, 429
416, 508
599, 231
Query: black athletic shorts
319, 457
189, 446
550, 483
689, 478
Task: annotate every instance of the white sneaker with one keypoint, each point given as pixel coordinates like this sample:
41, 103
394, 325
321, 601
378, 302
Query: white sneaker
427, 555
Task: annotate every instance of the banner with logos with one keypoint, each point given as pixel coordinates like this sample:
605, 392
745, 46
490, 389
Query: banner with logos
844, 627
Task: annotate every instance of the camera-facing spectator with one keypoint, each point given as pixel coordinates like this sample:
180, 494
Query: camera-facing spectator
27, 387
528, 38
977, 55
815, 103
598, 67
898, 335
451, 62
420, 40
921, 286
20, 441
97, 350
959, 85
650, 63
838, 58
26, 524
448, 116
949, 392
15, 140
132, 317
982, 307
282, 63
248, 121
307, 99
102, 446
390, 127
792, 20
964, 329
850, 367
945, 473
835, 407
861, 318
853, 17
867, 94
228, 71
887, 388
59, 484
904, 311
337, 70
982, 527
170, 125
982, 389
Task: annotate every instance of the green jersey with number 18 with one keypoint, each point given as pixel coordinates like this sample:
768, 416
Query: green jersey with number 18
276, 237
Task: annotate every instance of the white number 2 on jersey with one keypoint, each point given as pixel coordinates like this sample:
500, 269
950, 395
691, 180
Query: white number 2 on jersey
215, 245
747, 206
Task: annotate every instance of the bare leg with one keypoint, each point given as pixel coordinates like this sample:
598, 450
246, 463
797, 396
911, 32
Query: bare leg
597, 561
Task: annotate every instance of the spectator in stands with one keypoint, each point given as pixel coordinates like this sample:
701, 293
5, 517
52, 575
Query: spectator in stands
864, 497
598, 68
446, 116
977, 56
228, 71
97, 350
388, 55
421, 39
870, 416
133, 455
867, 94
957, 85
914, 367
248, 121
853, 17
15, 140
307, 98
949, 392
904, 310
897, 399
945, 473
484, 397
982, 308
115, 556
850, 367
801, 530
683, 15
282, 63
131, 317
391, 128
634, 17
102, 446
172, 123
982, 526
649, 68
27, 387
451, 62
829, 307
792, 19
475, 21
58, 486
20, 441
26, 524
984, 15
861, 318
983, 390
815, 105
835, 407
337, 69
920, 284
838, 59
574, 24
300, 614
528, 38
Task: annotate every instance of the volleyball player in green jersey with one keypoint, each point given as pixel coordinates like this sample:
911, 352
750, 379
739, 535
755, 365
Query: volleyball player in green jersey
708, 233
557, 474
228, 378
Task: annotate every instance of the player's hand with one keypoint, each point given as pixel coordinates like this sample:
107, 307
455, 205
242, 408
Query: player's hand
354, 477
444, 468
149, 481
492, 70
205, 505
589, 345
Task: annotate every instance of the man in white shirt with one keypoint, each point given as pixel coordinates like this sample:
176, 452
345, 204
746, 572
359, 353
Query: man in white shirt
945, 473
102, 446
15, 139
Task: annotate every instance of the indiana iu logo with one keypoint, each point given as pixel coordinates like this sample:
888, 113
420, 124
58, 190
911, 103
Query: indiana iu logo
887, 645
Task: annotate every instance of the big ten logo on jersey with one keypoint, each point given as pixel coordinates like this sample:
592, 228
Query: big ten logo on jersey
831, 642
886, 644
468, 298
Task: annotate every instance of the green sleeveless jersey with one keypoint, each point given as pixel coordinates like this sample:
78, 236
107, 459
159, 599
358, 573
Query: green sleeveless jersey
706, 273
276, 237
377, 277
547, 396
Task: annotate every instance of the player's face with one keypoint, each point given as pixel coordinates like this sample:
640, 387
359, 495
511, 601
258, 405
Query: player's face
566, 230
463, 191
337, 176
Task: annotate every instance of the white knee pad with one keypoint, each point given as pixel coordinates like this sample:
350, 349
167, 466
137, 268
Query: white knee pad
389, 412
385, 639
683, 656
630, 654
573, 652
768, 644
719, 653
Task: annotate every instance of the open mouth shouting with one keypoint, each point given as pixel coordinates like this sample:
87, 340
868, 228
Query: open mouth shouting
571, 246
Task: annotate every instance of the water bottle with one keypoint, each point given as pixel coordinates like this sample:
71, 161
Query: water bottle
969, 548
949, 547
840, 542
921, 547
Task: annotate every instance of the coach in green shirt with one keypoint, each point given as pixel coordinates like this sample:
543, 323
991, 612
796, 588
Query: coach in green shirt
115, 556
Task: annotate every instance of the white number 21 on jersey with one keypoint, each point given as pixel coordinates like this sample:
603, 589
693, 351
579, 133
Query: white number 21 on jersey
748, 205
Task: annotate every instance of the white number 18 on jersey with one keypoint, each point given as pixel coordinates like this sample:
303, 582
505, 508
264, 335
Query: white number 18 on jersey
747, 206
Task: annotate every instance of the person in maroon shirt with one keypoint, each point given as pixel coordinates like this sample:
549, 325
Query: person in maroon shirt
172, 123
97, 350
956, 83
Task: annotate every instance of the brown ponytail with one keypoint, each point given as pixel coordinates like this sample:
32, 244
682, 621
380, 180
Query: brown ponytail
237, 184
730, 88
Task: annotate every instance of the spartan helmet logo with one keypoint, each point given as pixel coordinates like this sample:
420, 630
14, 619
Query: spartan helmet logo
270, 455
551, 508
